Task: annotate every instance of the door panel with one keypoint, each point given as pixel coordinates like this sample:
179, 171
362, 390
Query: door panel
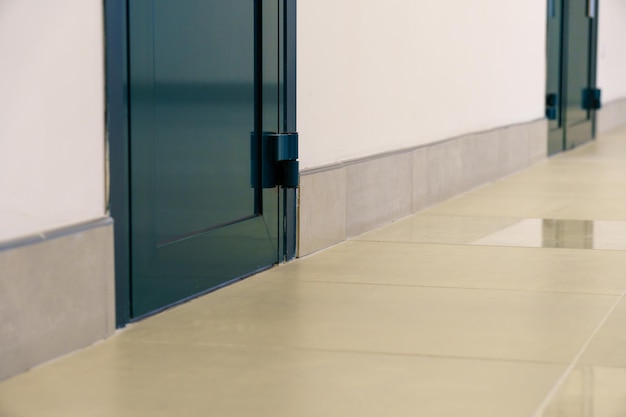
204, 107
200, 94
553, 86
579, 30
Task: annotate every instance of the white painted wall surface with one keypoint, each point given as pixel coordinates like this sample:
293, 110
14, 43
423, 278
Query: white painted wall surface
612, 49
51, 114
375, 76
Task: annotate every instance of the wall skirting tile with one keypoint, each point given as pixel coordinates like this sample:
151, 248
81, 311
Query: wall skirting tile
353, 197
322, 210
611, 116
378, 190
56, 295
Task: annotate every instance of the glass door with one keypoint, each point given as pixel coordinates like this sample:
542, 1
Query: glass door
204, 85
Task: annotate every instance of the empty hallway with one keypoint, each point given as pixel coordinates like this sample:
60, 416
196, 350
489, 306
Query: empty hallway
505, 301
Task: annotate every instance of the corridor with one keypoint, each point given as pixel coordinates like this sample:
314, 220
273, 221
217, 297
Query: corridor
505, 301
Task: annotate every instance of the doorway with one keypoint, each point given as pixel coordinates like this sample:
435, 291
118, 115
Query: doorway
200, 95
572, 96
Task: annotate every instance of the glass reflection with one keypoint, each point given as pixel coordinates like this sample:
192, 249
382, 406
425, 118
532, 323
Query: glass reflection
556, 233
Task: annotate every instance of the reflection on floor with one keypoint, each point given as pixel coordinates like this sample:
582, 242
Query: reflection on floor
553, 233
503, 231
505, 301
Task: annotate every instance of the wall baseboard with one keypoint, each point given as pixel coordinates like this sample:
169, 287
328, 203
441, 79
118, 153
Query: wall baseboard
612, 115
346, 199
57, 294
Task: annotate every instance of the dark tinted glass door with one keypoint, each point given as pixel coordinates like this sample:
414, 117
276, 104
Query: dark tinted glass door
571, 50
202, 88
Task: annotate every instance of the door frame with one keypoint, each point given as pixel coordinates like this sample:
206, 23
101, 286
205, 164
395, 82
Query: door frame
117, 135
593, 60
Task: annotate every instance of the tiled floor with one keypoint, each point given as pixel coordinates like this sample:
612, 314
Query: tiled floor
506, 301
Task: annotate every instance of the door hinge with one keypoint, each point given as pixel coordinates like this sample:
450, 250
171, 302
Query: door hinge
592, 99
279, 156
286, 158
552, 103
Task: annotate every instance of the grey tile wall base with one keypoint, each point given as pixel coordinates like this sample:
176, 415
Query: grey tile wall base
349, 198
56, 296
611, 116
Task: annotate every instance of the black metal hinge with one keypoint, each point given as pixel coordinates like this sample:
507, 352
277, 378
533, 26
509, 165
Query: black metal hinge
286, 145
592, 99
279, 160
552, 105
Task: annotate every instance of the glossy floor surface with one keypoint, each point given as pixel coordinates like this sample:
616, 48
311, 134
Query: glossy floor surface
505, 301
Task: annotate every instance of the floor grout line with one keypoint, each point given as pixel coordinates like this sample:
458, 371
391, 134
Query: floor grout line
552, 393
470, 244
285, 348
443, 287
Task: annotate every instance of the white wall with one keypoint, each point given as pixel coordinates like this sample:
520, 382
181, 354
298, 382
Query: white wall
612, 50
51, 114
375, 76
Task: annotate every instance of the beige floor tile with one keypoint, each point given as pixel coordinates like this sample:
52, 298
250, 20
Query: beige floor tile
608, 347
480, 203
152, 379
438, 229
558, 190
386, 319
503, 231
590, 391
462, 266
565, 169
551, 233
